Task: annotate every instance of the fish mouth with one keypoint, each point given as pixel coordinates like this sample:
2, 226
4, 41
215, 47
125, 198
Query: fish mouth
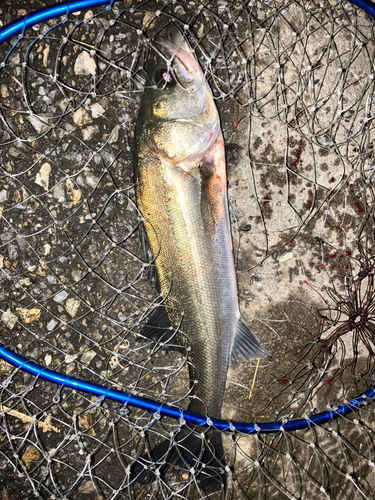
179, 52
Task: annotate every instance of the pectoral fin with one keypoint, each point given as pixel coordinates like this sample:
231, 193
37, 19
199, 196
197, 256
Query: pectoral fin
246, 344
151, 272
159, 328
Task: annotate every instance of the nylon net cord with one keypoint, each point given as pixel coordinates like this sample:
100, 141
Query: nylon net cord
293, 82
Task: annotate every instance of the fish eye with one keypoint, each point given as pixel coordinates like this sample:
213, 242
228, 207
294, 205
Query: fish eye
163, 78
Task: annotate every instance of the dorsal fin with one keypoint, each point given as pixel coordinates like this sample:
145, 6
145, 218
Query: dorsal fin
246, 344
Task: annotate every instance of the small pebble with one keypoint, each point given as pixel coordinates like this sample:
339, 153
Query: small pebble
4, 91
87, 489
88, 356
74, 194
59, 193
70, 358
60, 297
39, 125
89, 132
85, 64
81, 117
9, 319
51, 325
76, 275
29, 315
46, 248
4, 196
72, 306
42, 177
92, 181
97, 110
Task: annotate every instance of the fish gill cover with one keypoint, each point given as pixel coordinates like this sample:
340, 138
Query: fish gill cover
293, 84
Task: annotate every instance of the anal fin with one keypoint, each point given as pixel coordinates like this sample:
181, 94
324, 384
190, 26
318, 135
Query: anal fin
246, 344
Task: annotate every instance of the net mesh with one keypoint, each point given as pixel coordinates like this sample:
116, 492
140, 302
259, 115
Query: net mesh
294, 84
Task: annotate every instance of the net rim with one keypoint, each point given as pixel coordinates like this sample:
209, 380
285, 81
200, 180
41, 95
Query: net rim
18, 26
165, 410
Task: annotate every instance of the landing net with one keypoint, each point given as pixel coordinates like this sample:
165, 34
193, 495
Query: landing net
294, 85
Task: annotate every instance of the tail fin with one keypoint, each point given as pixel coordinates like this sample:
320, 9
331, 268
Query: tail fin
191, 450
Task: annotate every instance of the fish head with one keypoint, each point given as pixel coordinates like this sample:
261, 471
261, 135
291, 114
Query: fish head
178, 110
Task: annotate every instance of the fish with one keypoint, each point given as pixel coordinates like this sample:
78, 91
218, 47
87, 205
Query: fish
181, 191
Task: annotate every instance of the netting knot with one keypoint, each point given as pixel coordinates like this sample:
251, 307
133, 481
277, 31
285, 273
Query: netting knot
181, 421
